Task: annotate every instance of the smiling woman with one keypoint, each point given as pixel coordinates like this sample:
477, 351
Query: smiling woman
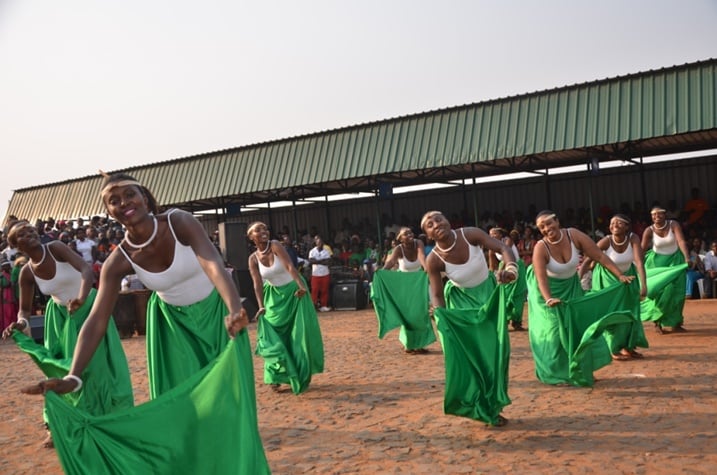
173, 256
564, 324
61, 273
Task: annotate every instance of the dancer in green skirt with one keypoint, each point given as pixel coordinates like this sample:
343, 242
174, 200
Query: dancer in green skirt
565, 325
288, 333
666, 258
471, 314
202, 417
61, 273
518, 289
623, 247
396, 296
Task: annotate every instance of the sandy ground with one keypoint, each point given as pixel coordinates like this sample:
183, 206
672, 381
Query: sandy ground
377, 410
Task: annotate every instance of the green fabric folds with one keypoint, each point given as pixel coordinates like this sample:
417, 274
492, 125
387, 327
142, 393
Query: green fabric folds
400, 299
289, 338
182, 340
622, 336
107, 386
566, 340
517, 292
666, 283
476, 350
207, 424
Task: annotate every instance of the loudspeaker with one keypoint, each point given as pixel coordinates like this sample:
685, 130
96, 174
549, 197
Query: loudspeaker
233, 244
37, 328
245, 285
349, 295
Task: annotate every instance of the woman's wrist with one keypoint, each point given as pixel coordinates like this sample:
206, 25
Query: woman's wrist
550, 300
76, 379
24, 321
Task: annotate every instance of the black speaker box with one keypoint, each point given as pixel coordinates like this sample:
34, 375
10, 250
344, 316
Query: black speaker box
37, 328
349, 295
233, 244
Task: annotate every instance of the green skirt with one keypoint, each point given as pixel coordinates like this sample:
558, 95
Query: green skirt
400, 299
622, 336
289, 338
566, 340
476, 349
666, 282
107, 386
205, 423
517, 292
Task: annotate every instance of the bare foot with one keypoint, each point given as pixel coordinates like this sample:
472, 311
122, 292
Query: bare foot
48, 443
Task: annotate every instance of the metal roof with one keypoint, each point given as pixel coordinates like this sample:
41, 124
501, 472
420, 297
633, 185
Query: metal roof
649, 113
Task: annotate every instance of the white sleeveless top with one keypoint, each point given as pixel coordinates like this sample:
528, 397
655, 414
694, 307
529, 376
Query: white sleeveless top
471, 273
664, 245
276, 275
66, 284
560, 270
404, 265
183, 282
623, 260
516, 254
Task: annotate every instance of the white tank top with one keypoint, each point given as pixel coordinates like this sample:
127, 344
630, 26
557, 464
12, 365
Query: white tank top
183, 282
471, 273
276, 275
516, 254
404, 265
664, 245
560, 270
623, 260
66, 284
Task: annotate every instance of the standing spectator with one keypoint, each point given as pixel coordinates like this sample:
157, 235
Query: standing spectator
695, 267
319, 257
370, 258
85, 246
710, 263
290, 250
8, 302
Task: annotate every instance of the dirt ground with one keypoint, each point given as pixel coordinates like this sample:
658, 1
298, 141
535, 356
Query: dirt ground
377, 410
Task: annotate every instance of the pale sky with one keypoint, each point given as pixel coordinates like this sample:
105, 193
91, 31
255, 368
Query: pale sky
88, 85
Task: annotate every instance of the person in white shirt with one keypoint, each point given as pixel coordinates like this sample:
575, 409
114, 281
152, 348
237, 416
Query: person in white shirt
319, 258
710, 263
85, 246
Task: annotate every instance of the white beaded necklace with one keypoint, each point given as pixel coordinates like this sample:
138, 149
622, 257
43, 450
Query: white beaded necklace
455, 240
619, 243
265, 251
145, 243
556, 242
663, 226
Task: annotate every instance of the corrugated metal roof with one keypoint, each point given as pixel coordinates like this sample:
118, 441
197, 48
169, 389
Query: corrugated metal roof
650, 113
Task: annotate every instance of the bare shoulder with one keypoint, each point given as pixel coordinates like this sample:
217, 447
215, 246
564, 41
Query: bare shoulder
433, 263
